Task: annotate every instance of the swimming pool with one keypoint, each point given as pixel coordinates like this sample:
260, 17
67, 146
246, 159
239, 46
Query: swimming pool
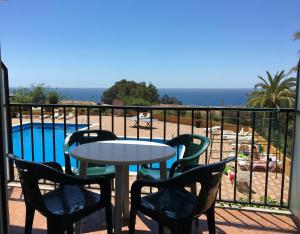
58, 130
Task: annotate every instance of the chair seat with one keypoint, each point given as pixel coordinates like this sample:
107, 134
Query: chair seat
98, 171
152, 173
67, 200
172, 203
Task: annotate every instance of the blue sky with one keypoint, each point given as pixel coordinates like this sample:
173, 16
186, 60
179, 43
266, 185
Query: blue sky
173, 44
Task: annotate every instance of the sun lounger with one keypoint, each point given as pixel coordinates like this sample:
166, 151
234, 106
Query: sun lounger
56, 115
70, 116
258, 165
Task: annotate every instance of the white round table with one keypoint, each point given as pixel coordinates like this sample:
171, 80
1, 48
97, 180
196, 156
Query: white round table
122, 153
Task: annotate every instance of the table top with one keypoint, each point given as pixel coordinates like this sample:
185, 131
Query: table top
123, 152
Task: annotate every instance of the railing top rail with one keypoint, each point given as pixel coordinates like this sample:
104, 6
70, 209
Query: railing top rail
200, 108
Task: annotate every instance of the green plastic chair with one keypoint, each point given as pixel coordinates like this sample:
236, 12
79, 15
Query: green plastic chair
87, 136
193, 151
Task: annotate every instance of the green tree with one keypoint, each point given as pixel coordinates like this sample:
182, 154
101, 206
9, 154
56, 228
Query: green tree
38, 93
277, 91
127, 91
296, 37
35, 94
169, 100
21, 95
53, 97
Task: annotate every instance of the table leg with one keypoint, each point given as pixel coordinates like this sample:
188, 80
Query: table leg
82, 173
126, 193
119, 198
163, 170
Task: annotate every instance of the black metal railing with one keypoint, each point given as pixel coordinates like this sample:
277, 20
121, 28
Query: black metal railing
256, 178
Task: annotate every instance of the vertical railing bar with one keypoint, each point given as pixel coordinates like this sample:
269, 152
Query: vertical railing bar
138, 124
284, 157
178, 132
100, 118
151, 124
112, 120
21, 131
165, 124
193, 121
151, 136
206, 134
137, 130
53, 134
178, 122
251, 162
88, 118
222, 131
65, 122
31, 134
76, 118
221, 149
236, 153
125, 124
43, 134
268, 156
76, 127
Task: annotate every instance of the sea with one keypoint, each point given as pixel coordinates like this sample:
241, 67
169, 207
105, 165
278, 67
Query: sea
188, 96
191, 96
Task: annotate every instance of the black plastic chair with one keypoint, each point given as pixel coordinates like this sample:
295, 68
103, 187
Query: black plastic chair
87, 136
192, 153
173, 206
68, 203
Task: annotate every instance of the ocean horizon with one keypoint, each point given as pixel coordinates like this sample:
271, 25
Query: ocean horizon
188, 96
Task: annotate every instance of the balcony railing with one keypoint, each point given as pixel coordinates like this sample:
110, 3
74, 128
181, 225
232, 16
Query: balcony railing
260, 139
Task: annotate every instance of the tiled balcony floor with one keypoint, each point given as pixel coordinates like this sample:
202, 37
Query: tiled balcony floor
227, 220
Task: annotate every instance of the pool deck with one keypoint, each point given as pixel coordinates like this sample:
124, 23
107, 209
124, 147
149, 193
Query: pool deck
274, 179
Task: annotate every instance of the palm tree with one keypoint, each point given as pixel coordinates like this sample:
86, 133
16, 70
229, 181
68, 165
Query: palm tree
296, 37
277, 91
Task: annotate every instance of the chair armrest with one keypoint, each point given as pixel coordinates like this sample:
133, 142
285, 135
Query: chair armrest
48, 173
54, 165
176, 164
66, 143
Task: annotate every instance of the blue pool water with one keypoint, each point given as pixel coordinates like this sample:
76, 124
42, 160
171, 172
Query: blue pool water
59, 142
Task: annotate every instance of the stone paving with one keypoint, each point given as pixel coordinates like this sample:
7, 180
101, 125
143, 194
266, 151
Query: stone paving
227, 220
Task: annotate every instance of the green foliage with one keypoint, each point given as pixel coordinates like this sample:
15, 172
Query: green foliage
297, 35
22, 95
53, 97
131, 92
38, 93
277, 91
169, 100
136, 101
228, 168
35, 94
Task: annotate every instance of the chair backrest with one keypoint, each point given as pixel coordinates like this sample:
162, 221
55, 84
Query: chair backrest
29, 181
82, 137
209, 176
193, 149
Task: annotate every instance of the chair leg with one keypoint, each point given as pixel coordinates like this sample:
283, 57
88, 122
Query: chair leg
70, 229
211, 219
29, 219
132, 221
194, 188
55, 227
161, 228
183, 228
108, 213
112, 184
